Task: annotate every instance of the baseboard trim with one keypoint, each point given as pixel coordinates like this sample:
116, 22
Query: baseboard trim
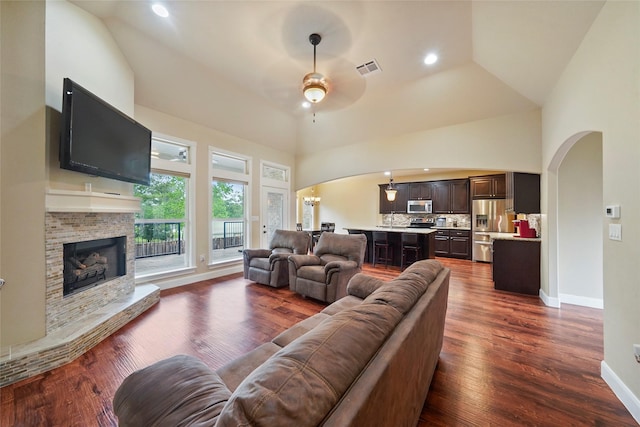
582, 301
548, 301
192, 278
622, 392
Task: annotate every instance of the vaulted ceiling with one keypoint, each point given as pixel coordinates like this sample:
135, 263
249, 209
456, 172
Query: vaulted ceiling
237, 66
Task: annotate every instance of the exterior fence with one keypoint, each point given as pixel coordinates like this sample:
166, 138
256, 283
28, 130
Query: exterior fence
162, 237
231, 235
158, 237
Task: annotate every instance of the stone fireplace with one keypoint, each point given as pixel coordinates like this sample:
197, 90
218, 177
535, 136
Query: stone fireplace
82, 225
90, 263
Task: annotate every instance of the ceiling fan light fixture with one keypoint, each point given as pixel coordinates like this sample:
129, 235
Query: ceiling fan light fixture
314, 87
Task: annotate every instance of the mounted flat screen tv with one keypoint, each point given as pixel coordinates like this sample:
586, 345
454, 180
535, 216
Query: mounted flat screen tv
98, 139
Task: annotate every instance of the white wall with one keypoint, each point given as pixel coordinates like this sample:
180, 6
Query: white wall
501, 143
580, 223
599, 91
79, 46
22, 144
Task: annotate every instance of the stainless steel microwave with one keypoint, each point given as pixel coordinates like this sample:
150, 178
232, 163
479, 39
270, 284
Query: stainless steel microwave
419, 206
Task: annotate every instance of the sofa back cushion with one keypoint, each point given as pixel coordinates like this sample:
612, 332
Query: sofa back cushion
347, 246
301, 383
296, 242
403, 292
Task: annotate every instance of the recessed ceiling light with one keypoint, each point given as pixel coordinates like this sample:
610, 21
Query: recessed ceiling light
160, 10
426, 169
306, 104
431, 59
387, 173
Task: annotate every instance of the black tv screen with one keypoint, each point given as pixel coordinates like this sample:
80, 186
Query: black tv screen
98, 139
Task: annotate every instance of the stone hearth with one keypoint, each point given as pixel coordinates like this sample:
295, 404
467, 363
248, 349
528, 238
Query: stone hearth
77, 322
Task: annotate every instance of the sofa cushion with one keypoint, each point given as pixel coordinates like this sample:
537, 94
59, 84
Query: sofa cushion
342, 304
177, 391
237, 370
301, 383
299, 329
312, 272
261, 263
327, 258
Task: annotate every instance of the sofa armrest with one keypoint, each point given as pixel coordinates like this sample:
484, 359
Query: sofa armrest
339, 265
278, 256
362, 286
301, 260
169, 392
256, 253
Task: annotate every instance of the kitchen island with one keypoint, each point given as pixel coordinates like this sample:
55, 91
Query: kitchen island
516, 263
426, 238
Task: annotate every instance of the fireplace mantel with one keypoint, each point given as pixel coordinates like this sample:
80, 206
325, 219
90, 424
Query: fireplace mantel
89, 201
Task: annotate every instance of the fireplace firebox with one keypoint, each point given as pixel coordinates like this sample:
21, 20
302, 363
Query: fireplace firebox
93, 262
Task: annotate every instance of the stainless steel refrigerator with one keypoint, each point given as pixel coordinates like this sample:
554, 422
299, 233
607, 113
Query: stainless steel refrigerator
488, 215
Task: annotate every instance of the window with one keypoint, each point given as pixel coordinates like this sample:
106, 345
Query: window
163, 227
229, 195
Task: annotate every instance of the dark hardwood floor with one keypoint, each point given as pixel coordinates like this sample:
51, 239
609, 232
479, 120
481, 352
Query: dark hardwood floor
507, 359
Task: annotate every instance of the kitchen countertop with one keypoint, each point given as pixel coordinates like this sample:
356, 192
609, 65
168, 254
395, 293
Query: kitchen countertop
508, 236
394, 229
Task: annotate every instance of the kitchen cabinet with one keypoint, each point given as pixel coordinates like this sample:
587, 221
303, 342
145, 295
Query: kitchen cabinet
523, 193
516, 266
451, 196
420, 191
452, 243
488, 187
399, 204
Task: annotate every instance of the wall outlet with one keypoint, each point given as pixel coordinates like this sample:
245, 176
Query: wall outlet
636, 352
202, 258
615, 232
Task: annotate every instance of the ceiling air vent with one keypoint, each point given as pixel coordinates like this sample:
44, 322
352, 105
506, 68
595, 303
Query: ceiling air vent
367, 68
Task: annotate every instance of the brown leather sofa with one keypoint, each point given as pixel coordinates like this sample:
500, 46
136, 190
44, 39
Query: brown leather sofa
325, 274
365, 360
270, 266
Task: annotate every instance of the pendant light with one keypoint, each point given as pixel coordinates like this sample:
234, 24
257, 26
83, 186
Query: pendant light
314, 85
390, 190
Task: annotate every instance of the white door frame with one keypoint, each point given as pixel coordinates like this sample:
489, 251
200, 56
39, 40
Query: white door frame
267, 223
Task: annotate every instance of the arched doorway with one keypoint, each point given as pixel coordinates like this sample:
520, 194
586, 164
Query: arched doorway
577, 166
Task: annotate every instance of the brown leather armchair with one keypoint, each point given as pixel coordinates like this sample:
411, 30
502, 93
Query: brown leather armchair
270, 266
324, 275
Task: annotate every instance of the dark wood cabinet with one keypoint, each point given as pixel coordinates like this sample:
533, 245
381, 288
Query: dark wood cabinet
420, 191
450, 197
399, 204
488, 187
452, 243
516, 266
522, 192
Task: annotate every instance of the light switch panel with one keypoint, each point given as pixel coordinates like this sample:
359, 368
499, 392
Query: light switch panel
615, 232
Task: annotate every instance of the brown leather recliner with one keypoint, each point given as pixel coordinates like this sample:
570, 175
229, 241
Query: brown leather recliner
324, 275
270, 266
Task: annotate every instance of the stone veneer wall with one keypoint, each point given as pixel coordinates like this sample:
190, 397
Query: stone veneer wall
61, 228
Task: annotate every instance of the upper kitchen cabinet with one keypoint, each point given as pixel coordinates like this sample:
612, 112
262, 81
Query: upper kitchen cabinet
488, 187
450, 197
420, 191
399, 204
523, 192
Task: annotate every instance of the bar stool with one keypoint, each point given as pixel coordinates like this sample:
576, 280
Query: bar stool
381, 244
410, 246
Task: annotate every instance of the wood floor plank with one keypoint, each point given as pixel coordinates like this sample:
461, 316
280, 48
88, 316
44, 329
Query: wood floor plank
507, 359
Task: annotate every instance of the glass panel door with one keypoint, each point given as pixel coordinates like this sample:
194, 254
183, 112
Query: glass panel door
274, 213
